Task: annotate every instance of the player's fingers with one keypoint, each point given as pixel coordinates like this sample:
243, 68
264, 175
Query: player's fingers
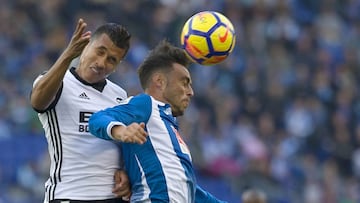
117, 176
140, 134
121, 190
86, 34
135, 138
135, 133
141, 137
127, 198
121, 186
84, 40
79, 29
116, 188
80, 26
125, 193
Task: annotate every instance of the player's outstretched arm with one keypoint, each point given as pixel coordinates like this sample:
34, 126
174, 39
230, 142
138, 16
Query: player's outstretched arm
105, 126
45, 89
124, 122
202, 196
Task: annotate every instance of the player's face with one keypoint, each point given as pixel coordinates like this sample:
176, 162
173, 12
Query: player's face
99, 59
178, 90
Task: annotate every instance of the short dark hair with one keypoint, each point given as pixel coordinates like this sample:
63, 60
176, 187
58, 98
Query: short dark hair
162, 58
118, 34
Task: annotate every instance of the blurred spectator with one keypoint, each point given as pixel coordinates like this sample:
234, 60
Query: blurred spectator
253, 196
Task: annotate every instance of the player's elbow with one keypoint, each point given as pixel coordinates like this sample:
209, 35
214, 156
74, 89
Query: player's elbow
98, 126
93, 126
39, 103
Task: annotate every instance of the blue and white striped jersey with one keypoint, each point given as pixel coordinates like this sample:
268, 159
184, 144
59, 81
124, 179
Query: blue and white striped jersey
160, 170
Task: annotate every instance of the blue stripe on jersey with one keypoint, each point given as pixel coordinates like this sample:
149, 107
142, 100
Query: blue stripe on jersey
142, 160
184, 158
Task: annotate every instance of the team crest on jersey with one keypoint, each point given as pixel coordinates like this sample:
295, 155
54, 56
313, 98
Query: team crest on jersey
124, 101
167, 111
184, 148
118, 99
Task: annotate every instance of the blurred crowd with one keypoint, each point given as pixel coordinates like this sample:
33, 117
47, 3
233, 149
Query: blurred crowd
281, 114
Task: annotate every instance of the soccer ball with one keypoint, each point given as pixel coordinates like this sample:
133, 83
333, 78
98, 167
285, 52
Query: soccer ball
208, 37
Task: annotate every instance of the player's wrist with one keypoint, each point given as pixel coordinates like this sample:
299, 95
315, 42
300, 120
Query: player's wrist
68, 55
116, 130
109, 129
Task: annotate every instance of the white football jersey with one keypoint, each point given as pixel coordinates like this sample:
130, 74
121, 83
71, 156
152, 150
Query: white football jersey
82, 165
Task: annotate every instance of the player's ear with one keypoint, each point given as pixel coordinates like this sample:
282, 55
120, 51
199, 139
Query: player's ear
159, 80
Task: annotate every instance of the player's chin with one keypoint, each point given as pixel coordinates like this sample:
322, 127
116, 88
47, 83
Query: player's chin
186, 103
178, 112
182, 110
98, 77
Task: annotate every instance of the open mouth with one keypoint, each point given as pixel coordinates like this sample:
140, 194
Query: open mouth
95, 70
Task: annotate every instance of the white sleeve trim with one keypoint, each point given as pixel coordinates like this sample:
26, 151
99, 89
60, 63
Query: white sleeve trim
110, 126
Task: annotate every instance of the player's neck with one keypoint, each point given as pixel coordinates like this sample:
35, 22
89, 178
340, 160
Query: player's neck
156, 94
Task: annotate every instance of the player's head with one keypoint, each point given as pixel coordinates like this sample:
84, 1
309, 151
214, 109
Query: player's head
253, 196
118, 34
107, 47
164, 75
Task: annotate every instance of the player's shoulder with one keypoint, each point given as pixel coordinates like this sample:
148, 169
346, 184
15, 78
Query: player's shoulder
138, 102
147, 99
143, 96
115, 87
140, 98
141, 105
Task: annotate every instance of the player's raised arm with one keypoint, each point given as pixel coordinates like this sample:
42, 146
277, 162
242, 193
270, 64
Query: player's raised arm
46, 87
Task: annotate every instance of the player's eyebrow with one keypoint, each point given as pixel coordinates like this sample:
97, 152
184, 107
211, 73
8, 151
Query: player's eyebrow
104, 48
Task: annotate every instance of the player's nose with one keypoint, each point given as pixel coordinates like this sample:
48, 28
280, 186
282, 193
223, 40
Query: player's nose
101, 62
190, 92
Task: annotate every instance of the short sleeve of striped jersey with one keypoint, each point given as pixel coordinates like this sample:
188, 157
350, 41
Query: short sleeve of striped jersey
134, 109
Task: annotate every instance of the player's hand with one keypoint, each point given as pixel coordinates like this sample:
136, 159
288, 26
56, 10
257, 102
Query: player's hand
79, 40
133, 133
122, 185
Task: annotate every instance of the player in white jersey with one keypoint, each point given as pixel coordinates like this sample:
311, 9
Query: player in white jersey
82, 166
160, 170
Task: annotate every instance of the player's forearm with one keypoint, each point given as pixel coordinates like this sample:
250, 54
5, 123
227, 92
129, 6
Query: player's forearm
100, 125
44, 91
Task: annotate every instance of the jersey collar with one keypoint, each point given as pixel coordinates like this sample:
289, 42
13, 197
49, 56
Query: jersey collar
99, 86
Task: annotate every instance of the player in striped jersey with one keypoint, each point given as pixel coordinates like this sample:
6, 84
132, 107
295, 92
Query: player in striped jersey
160, 170
82, 166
